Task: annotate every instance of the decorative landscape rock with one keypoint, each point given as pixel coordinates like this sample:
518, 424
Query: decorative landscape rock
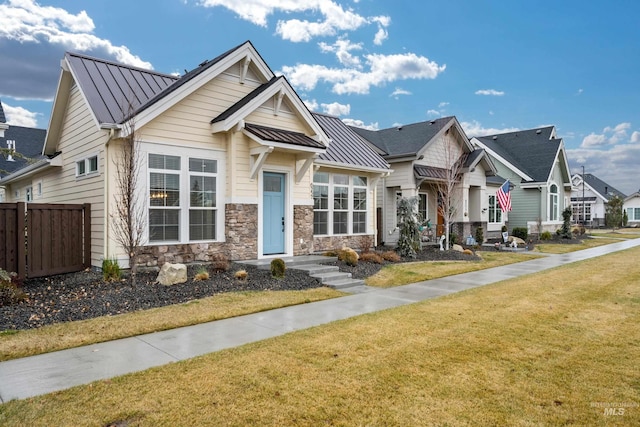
457, 248
518, 241
172, 274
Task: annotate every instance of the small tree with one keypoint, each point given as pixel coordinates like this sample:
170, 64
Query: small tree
447, 187
409, 239
613, 216
565, 231
128, 219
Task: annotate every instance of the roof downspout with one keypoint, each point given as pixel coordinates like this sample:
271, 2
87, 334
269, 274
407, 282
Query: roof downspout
112, 131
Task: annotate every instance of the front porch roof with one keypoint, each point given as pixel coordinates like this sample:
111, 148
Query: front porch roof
269, 134
424, 173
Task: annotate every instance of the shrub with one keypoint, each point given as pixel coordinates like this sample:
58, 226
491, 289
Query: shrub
219, 262
111, 270
479, 235
520, 232
351, 258
241, 275
277, 268
331, 253
467, 252
10, 292
504, 228
202, 274
545, 235
391, 256
565, 231
409, 239
371, 257
366, 243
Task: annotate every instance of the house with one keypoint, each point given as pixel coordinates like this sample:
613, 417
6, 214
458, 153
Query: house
424, 156
589, 197
632, 207
228, 153
535, 163
27, 144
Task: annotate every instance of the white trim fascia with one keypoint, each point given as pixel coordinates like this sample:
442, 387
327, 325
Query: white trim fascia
534, 184
57, 111
240, 54
566, 164
492, 153
31, 170
336, 165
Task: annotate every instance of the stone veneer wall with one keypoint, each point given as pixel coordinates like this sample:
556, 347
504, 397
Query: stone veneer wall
241, 227
156, 256
303, 242
322, 244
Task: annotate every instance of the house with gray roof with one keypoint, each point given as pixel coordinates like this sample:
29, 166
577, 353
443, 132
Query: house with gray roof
535, 163
21, 147
425, 156
589, 198
632, 208
228, 155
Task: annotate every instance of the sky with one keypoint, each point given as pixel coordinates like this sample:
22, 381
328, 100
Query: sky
497, 65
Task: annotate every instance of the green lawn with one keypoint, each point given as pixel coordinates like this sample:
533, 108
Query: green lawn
552, 348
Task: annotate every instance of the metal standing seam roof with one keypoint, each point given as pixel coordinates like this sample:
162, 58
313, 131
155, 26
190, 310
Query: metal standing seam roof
405, 139
606, 190
109, 86
347, 147
532, 151
284, 136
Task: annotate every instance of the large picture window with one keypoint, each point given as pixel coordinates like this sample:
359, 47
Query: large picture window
340, 204
553, 203
183, 198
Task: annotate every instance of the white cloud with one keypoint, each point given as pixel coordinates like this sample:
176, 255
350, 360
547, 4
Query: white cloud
360, 124
336, 109
382, 34
433, 113
19, 116
475, 128
382, 69
579, 92
333, 17
609, 136
635, 137
342, 48
443, 104
399, 91
25, 21
312, 104
489, 92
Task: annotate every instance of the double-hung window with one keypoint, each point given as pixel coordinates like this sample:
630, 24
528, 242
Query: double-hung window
164, 198
340, 204
202, 199
633, 214
495, 213
423, 207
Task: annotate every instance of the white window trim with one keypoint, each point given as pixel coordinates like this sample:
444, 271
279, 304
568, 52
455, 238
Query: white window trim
39, 189
496, 209
350, 206
556, 197
85, 160
184, 153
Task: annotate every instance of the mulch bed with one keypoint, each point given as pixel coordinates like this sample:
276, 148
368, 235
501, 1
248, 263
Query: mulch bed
85, 295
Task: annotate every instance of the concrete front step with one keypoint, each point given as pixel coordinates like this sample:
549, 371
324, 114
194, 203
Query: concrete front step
290, 262
344, 283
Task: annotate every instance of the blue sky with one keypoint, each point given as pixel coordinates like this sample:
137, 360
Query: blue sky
498, 66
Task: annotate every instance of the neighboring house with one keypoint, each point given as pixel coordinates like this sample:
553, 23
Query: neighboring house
535, 163
420, 155
589, 198
632, 207
28, 143
227, 160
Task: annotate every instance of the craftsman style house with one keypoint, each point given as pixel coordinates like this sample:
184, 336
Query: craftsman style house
589, 198
232, 161
423, 157
535, 163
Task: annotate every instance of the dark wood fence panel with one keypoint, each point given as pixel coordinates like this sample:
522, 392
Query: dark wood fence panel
54, 239
12, 244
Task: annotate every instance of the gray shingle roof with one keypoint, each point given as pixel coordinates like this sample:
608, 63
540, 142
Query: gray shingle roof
284, 136
532, 151
347, 147
606, 190
29, 142
404, 140
109, 86
3, 119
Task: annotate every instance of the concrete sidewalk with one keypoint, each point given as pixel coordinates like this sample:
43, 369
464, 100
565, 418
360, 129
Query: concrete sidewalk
36, 375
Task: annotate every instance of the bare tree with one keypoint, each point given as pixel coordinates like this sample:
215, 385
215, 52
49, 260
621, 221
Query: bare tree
448, 186
128, 220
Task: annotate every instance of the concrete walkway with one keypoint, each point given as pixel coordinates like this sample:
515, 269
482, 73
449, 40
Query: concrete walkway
36, 375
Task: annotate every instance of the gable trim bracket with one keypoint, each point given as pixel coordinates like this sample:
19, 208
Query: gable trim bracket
307, 161
258, 158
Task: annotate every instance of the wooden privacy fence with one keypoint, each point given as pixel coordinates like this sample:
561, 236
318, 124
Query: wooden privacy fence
49, 239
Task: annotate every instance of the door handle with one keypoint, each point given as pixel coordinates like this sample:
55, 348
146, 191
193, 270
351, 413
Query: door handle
282, 223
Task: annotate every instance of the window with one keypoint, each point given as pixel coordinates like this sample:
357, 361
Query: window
553, 203
495, 213
29, 194
423, 207
339, 204
164, 198
633, 214
577, 211
87, 166
202, 199
39, 189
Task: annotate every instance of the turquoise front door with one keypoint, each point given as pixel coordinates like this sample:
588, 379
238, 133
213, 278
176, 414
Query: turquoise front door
273, 213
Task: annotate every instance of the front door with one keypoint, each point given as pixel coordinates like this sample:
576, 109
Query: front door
273, 213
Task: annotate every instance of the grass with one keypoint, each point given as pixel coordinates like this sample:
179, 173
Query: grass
14, 344
402, 274
546, 349
625, 233
563, 248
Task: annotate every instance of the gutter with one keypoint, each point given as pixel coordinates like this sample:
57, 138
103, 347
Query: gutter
112, 128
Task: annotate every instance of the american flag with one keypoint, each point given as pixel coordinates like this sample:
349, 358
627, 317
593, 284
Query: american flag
504, 197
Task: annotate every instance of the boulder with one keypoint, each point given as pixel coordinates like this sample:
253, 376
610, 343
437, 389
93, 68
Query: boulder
457, 248
518, 240
172, 274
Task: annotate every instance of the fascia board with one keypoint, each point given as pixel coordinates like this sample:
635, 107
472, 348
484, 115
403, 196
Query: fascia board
58, 109
504, 161
345, 166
